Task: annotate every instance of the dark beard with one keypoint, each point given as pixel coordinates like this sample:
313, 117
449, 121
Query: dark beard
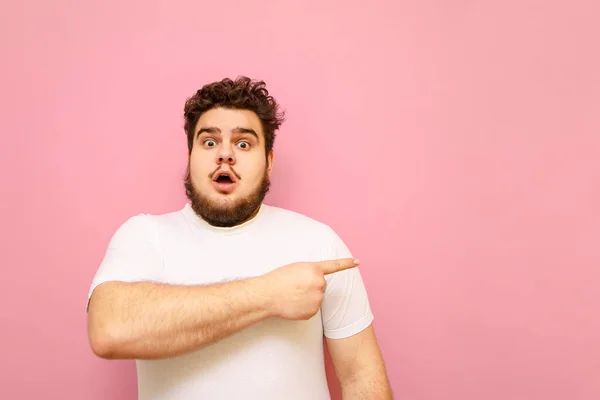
231, 214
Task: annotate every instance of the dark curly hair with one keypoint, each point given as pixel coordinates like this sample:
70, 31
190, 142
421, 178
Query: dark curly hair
243, 94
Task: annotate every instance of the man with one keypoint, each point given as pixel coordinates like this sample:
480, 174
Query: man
229, 298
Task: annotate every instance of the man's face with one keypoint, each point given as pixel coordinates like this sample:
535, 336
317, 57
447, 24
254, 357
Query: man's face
228, 171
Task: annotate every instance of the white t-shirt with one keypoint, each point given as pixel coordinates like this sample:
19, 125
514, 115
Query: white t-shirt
272, 359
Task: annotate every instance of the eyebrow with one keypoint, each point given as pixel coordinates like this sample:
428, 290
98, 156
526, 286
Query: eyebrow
236, 131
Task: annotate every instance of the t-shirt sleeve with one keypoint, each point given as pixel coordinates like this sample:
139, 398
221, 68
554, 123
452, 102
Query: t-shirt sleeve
345, 309
133, 254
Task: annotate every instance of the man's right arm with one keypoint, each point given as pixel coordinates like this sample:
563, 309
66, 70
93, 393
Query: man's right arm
144, 320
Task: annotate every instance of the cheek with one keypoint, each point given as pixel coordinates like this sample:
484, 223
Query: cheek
257, 175
254, 167
198, 168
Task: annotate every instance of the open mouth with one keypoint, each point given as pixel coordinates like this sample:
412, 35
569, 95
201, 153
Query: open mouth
224, 178
224, 181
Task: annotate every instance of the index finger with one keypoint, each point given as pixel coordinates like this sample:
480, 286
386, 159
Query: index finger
331, 266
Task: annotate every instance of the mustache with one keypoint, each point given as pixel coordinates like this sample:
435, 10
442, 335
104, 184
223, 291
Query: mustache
230, 168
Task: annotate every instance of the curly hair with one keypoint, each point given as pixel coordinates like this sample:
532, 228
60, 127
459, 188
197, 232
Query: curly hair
243, 94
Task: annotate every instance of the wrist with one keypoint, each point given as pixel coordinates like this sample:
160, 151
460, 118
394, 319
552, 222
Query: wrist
261, 296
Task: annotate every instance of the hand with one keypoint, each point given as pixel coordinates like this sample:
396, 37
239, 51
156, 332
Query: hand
295, 291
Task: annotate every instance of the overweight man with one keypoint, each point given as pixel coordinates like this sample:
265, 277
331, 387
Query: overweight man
228, 297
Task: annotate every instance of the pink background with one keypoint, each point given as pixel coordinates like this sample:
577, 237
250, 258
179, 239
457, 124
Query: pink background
454, 145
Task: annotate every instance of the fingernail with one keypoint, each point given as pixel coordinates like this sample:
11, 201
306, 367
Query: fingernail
356, 261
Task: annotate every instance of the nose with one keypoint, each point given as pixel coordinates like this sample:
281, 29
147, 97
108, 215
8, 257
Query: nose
226, 154
229, 160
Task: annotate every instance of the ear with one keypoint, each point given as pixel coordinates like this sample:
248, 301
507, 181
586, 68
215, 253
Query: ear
270, 161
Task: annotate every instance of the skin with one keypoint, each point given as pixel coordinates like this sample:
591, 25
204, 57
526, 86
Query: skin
122, 317
230, 140
359, 366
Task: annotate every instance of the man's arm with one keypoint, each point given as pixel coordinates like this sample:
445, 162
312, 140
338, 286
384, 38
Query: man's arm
359, 366
144, 320
148, 320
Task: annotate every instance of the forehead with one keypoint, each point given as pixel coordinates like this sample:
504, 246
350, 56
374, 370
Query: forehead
227, 119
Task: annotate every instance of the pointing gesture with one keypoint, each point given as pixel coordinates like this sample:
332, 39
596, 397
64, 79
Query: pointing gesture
295, 291
331, 266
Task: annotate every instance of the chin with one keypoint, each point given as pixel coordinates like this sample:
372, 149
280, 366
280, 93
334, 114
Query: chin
222, 195
225, 209
224, 200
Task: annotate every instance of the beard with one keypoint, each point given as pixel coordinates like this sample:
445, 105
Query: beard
226, 213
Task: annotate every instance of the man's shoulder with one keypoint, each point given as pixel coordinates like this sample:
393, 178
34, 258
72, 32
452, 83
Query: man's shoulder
151, 221
294, 219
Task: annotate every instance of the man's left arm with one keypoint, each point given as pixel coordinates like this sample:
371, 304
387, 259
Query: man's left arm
359, 366
349, 333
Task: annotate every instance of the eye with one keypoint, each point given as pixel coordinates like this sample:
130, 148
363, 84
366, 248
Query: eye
210, 143
244, 145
